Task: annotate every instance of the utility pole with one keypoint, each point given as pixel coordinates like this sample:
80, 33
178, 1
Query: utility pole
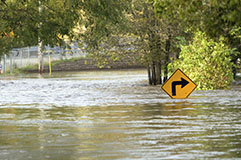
11, 63
40, 44
4, 63
40, 56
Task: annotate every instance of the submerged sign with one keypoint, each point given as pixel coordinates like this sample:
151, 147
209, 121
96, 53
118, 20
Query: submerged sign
179, 85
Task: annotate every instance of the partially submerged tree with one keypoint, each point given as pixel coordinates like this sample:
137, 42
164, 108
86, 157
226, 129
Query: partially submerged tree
155, 37
215, 18
141, 36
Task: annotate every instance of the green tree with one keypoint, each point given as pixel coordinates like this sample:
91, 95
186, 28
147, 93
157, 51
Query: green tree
213, 17
142, 37
156, 37
35, 22
102, 18
208, 63
49, 22
23, 18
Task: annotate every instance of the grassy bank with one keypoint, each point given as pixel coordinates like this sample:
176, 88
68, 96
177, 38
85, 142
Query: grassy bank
34, 68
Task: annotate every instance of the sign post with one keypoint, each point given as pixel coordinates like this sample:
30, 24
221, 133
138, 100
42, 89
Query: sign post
179, 85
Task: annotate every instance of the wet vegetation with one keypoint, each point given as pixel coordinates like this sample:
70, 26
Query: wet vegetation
207, 63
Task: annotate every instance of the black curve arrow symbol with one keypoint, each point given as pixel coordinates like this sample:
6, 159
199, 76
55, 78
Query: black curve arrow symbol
183, 82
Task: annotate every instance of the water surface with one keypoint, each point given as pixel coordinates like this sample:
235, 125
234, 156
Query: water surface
114, 115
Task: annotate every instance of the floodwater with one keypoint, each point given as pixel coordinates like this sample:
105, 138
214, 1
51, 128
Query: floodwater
114, 115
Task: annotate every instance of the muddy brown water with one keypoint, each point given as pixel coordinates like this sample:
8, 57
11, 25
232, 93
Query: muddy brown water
114, 115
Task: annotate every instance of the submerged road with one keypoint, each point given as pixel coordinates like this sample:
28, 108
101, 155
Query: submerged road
114, 115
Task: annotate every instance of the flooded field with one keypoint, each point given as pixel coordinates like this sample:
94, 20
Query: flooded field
114, 115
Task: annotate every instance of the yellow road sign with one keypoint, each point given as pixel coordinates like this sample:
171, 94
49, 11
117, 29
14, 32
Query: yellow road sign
179, 85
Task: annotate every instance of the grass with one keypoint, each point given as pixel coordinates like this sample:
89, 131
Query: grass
28, 68
34, 67
74, 59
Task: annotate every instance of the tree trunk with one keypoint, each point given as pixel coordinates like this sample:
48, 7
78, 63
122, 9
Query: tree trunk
149, 74
153, 73
168, 46
160, 68
158, 73
165, 73
40, 44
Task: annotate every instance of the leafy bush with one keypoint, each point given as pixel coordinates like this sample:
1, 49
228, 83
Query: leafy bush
206, 62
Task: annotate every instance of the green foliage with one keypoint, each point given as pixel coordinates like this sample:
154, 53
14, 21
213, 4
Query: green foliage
236, 32
139, 34
53, 21
57, 62
102, 18
32, 21
206, 62
213, 16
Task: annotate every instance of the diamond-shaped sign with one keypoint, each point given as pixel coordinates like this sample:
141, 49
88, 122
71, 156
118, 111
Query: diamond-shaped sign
179, 85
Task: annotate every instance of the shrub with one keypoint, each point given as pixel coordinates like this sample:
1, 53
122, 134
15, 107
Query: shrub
206, 62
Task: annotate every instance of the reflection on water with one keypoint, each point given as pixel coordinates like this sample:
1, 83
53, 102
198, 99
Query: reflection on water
114, 115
